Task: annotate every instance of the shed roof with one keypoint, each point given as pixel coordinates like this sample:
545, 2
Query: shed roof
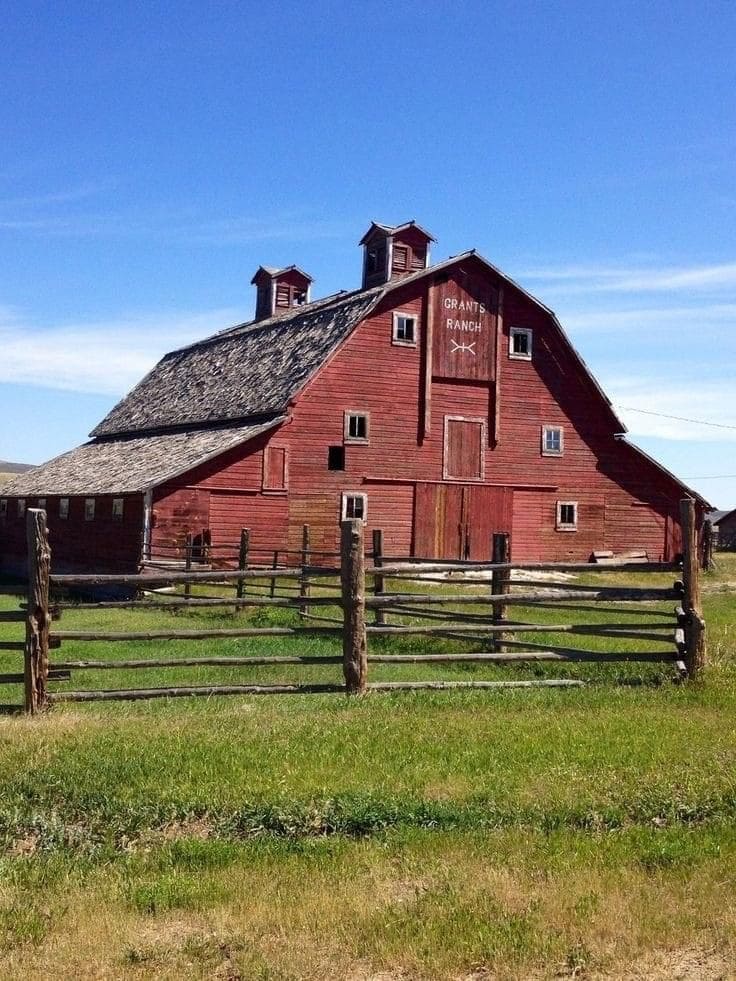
130, 464
394, 229
273, 272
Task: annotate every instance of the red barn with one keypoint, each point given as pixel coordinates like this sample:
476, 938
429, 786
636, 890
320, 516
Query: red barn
439, 403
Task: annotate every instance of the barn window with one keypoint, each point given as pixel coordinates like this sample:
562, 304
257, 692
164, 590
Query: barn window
567, 516
354, 506
553, 441
356, 427
375, 260
275, 468
405, 329
89, 509
4, 508
21, 505
63, 508
118, 507
335, 457
520, 344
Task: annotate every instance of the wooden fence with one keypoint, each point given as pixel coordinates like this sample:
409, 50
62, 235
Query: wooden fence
363, 591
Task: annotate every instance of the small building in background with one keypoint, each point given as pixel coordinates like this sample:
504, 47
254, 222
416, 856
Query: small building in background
724, 529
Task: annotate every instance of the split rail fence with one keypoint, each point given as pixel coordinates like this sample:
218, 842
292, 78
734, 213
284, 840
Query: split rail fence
366, 594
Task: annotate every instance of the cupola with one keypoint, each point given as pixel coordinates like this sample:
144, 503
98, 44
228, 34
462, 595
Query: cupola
393, 251
280, 289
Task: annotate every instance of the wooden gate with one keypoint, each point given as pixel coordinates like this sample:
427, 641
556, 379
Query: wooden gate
458, 521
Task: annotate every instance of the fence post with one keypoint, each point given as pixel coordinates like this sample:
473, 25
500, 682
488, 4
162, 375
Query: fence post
36, 659
188, 563
499, 554
378, 588
707, 545
243, 560
694, 623
352, 578
304, 587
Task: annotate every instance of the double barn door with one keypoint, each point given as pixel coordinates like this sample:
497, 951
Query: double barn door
458, 521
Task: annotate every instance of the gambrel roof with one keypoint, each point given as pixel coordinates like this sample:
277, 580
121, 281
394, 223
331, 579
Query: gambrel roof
258, 367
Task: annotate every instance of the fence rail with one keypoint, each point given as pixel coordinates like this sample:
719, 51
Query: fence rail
366, 590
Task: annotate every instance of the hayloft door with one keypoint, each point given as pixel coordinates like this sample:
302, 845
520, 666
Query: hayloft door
458, 521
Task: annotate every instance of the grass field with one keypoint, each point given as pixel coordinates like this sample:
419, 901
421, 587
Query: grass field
538, 833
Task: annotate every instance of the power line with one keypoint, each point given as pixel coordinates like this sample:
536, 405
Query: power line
663, 415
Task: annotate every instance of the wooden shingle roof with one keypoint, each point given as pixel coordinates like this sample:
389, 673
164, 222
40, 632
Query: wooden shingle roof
130, 464
249, 370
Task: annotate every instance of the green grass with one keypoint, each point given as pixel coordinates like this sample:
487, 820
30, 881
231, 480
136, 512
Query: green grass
426, 834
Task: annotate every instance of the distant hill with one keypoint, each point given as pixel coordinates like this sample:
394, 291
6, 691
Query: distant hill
8, 470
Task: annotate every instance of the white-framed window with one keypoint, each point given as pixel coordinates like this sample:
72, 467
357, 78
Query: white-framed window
89, 509
118, 508
356, 427
63, 508
520, 344
3, 507
553, 441
354, 505
405, 329
21, 505
567, 516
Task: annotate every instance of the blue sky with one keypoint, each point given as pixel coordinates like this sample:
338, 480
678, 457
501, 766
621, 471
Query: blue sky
152, 155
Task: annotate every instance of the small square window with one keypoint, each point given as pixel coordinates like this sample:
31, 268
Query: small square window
63, 508
21, 505
553, 441
335, 457
520, 344
356, 427
118, 506
354, 506
567, 516
4, 508
405, 329
89, 509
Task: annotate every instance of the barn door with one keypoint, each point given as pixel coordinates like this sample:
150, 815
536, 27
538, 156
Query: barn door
464, 445
458, 521
489, 512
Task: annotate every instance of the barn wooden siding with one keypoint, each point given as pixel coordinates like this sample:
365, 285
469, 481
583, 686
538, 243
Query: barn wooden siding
624, 502
226, 494
115, 546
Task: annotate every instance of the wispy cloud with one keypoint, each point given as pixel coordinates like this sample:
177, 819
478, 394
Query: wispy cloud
64, 196
164, 224
660, 399
106, 357
575, 279
715, 316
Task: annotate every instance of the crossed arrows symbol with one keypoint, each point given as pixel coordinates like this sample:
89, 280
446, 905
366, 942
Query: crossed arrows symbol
462, 347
